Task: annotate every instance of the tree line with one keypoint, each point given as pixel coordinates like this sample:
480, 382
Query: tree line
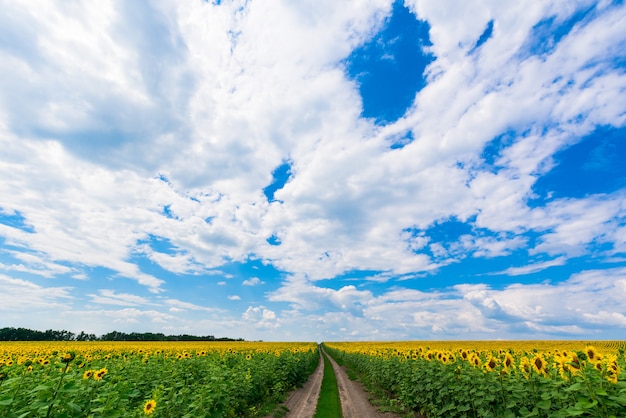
24, 334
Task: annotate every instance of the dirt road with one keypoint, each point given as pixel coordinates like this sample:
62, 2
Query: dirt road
354, 400
302, 402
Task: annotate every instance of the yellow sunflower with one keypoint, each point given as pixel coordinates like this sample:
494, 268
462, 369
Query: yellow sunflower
525, 367
149, 407
539, 365
68, 357
508, 362
592, 354
475, 360
491, 364
575, 362
612, 369
98, 375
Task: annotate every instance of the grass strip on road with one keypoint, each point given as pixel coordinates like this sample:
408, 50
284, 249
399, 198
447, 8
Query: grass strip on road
328, 404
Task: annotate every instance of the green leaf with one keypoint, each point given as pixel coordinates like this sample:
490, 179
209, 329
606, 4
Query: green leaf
544, 404
586, 403
6, 401
70, 386
601, 392
44, 386
575, 387
509, 414
74, 407
573, 412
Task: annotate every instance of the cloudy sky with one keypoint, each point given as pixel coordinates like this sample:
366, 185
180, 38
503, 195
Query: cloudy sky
315, 169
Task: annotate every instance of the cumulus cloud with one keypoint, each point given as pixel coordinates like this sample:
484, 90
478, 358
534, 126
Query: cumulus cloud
254, 281
375, 193
138, 151
21, 295
261, 317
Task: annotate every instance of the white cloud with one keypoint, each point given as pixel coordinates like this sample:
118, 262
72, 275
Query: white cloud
605, 318
533, 268
109, 297
345, 183
254, 281
304, 295
21, 295
122, 320
181, 305
106, 120
588, 303
261, 317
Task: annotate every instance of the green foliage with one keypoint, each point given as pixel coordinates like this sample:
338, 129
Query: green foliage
328, 404
118, 384
457, 388
25, 334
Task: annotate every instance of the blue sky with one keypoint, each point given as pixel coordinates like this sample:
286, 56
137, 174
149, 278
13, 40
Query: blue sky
314, 170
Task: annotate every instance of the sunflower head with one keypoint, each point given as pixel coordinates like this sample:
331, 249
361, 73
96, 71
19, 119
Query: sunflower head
611, 376
539, 364
491, 364
612, 369
149, 406
99, 374
525, 367
508, 361
68, 357
475, 360
592, 353
575, 361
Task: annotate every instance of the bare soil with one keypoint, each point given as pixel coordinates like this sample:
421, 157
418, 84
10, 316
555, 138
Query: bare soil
302, 402
354, 399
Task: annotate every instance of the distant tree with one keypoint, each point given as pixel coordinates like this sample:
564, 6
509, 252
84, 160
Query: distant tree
24, 334
83, 336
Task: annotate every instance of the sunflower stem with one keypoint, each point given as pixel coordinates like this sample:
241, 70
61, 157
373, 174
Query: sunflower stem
67, 365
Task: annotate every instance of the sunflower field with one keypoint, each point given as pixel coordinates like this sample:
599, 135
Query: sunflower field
493, 378
161, 379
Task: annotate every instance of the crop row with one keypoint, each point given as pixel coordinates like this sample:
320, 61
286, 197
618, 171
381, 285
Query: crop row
158, 379
493, 379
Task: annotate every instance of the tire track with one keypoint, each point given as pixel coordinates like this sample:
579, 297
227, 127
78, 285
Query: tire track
303, 402
355, 403
354, 400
